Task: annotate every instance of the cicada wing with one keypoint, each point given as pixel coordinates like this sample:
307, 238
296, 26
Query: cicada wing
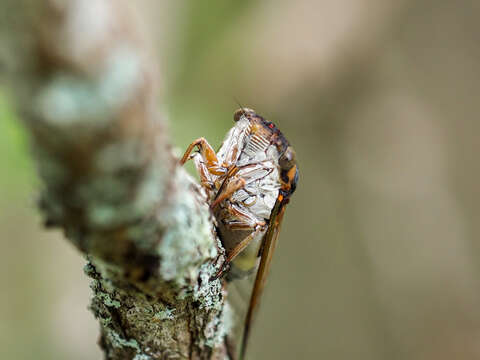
266, 254
238, 299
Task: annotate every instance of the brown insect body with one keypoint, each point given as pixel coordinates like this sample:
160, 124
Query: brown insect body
248, 182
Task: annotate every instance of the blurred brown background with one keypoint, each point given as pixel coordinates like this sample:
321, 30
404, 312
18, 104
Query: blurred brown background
378, 257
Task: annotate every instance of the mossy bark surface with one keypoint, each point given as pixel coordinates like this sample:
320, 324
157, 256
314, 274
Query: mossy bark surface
84, 85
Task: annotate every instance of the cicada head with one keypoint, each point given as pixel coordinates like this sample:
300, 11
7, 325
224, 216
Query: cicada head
243, 112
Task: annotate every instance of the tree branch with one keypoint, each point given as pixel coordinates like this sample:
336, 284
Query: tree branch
85, 87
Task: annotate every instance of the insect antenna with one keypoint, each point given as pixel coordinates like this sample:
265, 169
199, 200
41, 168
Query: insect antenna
241, 106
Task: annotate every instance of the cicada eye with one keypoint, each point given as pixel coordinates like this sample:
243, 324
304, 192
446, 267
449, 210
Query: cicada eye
288, 159
242, 112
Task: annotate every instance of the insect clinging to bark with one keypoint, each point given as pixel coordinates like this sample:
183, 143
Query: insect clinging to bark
248, 182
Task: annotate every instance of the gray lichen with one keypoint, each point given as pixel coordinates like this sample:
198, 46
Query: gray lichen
117, 156
155, 318
220, 326
167, 314
69, 99
142, 357
119, 342
189, 241
207, 292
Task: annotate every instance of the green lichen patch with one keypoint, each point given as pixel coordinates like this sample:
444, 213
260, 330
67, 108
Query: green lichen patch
207, 292
122, 76
119, 341
189, 241
90, 270
107, 300
219, 327
142, 357
82, 101
69, 100
99, 291
114, 157
167, 314
152, 190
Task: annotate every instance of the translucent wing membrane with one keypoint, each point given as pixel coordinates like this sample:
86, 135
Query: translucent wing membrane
266, 253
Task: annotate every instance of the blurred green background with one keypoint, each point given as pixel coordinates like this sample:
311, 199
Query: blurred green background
377, 258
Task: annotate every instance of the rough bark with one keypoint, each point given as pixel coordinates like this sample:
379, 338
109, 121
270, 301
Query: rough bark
85, 87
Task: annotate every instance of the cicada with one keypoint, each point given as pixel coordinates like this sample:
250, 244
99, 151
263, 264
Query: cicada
248, 182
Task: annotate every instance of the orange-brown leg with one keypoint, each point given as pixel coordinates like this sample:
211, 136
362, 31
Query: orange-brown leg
207, 180
233, 185
242, 220
208, 155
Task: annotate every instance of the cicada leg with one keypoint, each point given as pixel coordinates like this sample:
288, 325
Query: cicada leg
232, 186
244, 221
240, 218
208, 155
207, 180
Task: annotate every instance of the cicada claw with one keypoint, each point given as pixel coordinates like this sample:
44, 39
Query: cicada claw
221, 272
